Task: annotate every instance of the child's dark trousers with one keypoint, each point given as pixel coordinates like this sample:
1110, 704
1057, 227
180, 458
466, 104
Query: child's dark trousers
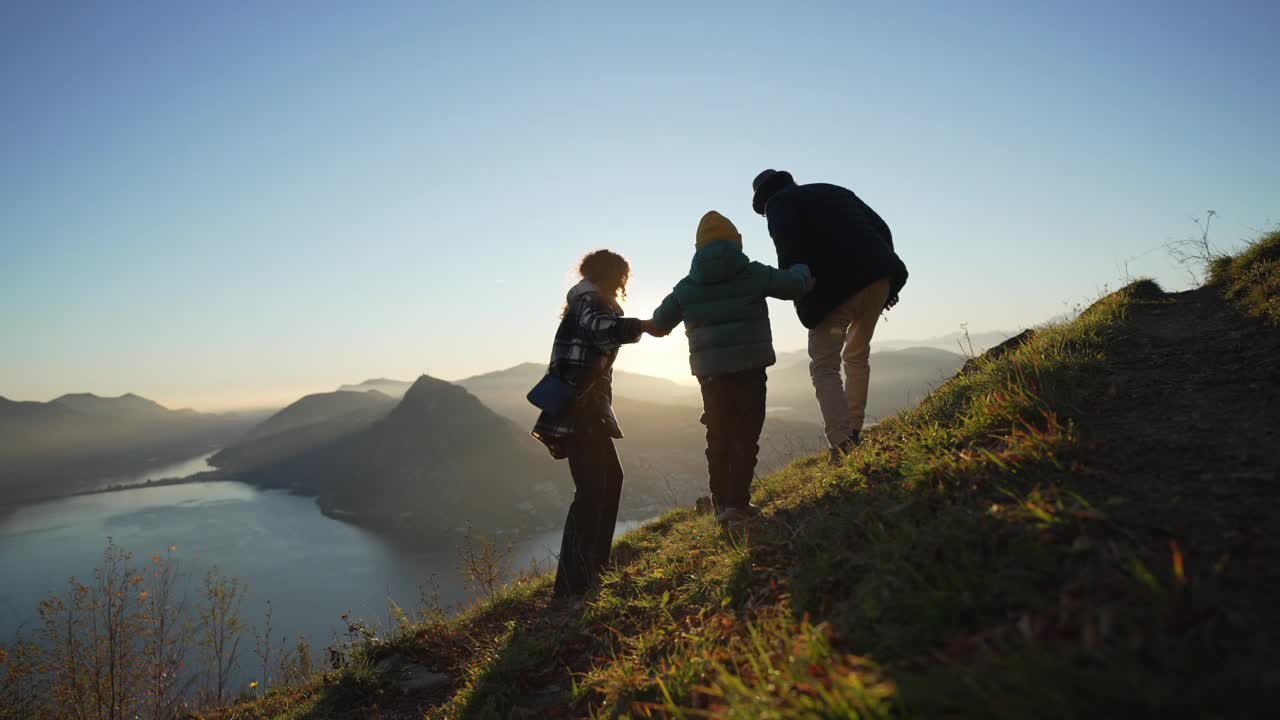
733, 411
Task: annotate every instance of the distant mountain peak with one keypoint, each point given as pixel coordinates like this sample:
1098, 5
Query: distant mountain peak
426, 381
441, 407
342, 392
386, 386
76, 396
427, 388
348, 408
127, 404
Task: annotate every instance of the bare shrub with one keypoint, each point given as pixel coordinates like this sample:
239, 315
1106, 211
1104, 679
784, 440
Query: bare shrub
166, 638
297, 665
219, 632
92, 643
263, 650
1196, 254
23, 693
485, 564
119, 646
432, 611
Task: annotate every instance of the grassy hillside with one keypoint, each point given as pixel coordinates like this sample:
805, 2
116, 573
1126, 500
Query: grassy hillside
1252, 278
1076, 528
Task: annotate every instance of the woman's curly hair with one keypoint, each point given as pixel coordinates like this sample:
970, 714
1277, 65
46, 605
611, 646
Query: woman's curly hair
609, 271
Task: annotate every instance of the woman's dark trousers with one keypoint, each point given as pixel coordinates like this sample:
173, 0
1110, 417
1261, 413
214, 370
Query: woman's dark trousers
733, 411
588, 530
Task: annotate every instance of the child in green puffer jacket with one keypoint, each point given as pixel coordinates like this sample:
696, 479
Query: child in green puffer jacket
722, 305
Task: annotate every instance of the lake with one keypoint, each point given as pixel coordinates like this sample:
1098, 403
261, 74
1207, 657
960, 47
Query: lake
312, 568
181, 469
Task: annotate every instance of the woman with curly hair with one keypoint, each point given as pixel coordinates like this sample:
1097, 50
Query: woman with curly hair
592, 330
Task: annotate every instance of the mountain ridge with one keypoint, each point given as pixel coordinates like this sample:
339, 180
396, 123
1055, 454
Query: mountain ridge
438, 455
78, 441
653, 405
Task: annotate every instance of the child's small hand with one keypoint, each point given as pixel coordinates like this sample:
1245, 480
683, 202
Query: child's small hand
651, 326
809, 280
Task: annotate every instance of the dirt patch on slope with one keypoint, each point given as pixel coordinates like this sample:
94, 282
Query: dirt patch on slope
1189, 429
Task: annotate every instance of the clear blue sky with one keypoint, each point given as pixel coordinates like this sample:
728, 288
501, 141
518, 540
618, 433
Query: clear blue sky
218, 204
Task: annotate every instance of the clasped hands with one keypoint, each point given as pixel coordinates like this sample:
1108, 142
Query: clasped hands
651, 326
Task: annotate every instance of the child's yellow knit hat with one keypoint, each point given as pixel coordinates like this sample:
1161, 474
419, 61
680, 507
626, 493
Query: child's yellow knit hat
715, 226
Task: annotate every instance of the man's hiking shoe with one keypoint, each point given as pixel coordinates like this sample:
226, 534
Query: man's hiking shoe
837, 455
706, 506
733, 518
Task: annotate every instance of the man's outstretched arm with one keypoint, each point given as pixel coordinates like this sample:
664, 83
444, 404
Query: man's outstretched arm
789, 284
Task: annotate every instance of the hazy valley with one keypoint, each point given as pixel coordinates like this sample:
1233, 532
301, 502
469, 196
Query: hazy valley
81, 442
426, 456
383, 450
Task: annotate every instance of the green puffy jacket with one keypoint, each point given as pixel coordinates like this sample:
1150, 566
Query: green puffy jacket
722, 304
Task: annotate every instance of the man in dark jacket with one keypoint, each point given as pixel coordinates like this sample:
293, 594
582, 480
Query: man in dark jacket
849, 250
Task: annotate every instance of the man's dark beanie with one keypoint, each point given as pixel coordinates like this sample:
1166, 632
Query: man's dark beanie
766, 185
